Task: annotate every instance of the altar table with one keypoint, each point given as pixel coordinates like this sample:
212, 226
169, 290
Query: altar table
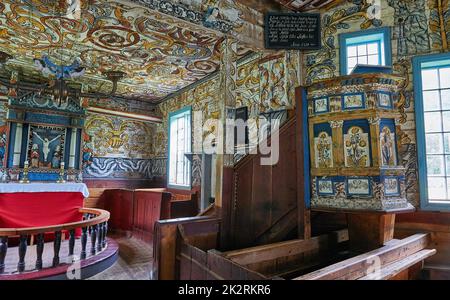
40, 204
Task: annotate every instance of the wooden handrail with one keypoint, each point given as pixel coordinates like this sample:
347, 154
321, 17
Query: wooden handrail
101, 217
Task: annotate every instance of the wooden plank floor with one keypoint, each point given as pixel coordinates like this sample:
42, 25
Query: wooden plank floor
134, 263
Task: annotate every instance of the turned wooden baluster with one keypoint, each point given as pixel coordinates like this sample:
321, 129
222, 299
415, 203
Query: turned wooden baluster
93, 238
105, 229
89, 216
22, 251
83, 242
56, 248
71, 241
99, 237
39, 250
3, 250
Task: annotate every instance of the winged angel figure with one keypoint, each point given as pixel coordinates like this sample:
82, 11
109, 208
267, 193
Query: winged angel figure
47, 67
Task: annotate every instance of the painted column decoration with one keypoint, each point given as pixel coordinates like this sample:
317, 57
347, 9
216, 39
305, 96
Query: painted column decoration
228, 76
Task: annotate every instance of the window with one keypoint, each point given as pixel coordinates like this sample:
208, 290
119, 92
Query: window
179, 170
369, 47
432, 105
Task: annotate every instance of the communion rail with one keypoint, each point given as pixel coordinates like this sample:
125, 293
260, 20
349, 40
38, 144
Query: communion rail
94, 224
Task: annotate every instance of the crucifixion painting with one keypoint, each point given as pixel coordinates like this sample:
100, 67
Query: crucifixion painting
46, 148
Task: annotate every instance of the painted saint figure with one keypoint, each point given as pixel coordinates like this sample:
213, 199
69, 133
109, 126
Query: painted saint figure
387, 147
46, 145
34, 156
56, 157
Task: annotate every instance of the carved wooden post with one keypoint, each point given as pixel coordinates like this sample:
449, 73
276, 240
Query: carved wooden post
56, 248
22, 252
93, 238
39, 250
3, 250
71, 241
83, 243
99, 237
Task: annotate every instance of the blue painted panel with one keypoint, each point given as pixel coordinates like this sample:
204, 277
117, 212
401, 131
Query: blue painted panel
42, 176
78, 150
364, 125
47, 119
67, 147
12, 141
318, 128
24, 149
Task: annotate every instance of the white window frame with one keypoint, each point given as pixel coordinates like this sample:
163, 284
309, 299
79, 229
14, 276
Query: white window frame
178, 165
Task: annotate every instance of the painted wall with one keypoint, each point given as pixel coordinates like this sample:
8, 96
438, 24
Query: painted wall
264, 83
416, 30
117, 147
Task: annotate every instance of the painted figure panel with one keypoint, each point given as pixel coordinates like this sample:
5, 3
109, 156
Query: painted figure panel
46, 147
391, 186
321, 105
353, 101
325, 187
335, 103
356, 148
323, 145
358, 186
388, 149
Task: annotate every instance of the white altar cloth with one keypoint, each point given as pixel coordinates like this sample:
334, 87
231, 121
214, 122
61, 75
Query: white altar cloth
36, 187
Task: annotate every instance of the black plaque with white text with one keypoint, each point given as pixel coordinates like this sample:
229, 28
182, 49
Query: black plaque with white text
292, 31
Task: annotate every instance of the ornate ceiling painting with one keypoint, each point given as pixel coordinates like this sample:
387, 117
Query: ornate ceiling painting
158, 53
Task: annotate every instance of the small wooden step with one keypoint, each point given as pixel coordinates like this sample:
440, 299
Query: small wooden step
399, 266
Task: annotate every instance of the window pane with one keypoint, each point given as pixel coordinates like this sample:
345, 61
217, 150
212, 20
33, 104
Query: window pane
430, 79
446, 119
351, 51
445, 99
362, 60
447, 165
372, 48
433, 122
447, 143
437, 188
434, 143
373, 60
431, 100
444, 77
352, 61
435, 165
362, 49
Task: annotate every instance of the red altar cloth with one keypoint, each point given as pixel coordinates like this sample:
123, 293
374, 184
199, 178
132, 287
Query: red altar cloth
20, 210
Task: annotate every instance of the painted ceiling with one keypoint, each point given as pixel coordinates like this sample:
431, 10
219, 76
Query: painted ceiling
159, 54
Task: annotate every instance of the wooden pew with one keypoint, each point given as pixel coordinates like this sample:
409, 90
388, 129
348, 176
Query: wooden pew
290, 257
393, 258
167, 242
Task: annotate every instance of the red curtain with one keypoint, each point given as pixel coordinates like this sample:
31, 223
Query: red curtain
19, 210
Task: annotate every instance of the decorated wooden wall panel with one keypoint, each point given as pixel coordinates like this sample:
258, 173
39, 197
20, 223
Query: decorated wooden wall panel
116, 147
418, 27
